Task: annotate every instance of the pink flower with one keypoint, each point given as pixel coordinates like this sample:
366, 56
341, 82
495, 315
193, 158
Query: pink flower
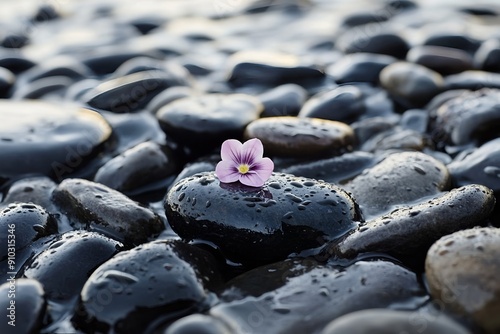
244, 163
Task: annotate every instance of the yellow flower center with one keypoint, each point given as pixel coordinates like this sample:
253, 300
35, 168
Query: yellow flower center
243, 168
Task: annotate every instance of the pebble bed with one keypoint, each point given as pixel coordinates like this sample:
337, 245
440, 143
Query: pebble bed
382, 119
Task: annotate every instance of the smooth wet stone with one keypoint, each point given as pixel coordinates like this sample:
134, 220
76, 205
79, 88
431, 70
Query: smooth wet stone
359, 67
205, 121
96, 207
481, 166
456, 41
28, 306
140, 166
7, 79
62, 66
42, 88
144, 64
146, 286
301, 137
21, 224
308, 301
410, 84
258, 225
399, 179
132, 92
361, 18
334, 170
411, 229
343, 104
58, 139
370, 39
468, 118
487, 57
383, 321
15, 62
441, 59
284, 100
271, 70
36, 190
462, 272
472, 80
106, 62
64, 267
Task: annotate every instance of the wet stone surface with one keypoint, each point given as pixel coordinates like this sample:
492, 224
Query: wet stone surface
408, 230
96, 207
67, 263
206, 121
399, 179
57, 139
323, 293
27, 313
380, 321
470, 117
301, 137
462, 270
138, 167
148, 285
258, 225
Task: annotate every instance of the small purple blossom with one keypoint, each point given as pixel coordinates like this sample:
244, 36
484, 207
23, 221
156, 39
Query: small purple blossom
244, 163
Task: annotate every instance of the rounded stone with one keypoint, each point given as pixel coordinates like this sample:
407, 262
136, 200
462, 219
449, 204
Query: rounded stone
369, 39
441, 59
322, 293
482, 166
97, 207
359, 67
58, 139
462, 272
67, 263
411, 84
133, 92
399, 179
205, 121
270, 69
382, 321
412, 229
29, 304
472, 80
487, 57
198, 324
258, 225
344, 104
137, 290
301, 137
36, 190
469, 118
27, 222
141, 166
451, 40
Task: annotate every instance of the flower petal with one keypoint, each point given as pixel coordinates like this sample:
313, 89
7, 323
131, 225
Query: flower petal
251, 151
252, 179
231, 151
227, 171
263, 168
